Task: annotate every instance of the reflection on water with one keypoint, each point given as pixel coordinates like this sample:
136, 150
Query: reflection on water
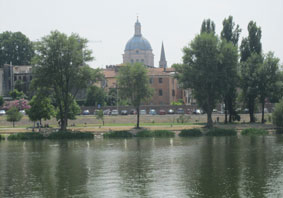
176, 167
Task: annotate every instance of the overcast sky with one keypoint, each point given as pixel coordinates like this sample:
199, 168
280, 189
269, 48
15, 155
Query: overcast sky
109, 24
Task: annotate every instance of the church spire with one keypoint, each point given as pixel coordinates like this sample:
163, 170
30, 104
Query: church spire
162, 62
137, 28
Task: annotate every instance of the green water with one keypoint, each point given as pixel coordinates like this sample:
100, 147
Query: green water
177, 167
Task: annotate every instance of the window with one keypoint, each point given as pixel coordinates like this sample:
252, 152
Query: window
160, 80
151, 80
137, 60
24, 78
173, 92
137, 51
30, 78
20, 78
15, 78
160, 92
132, 61
142, 60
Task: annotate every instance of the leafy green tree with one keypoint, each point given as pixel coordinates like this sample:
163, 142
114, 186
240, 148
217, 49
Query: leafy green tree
15, 94
95, 96
100, 116
133, 83
251, 59
13, 115
201, 72
229, 50
60, 65
1, 101
41, 108
74, 110
15, 48
250, 82
268, 78
207, 26
111, 97
277, 115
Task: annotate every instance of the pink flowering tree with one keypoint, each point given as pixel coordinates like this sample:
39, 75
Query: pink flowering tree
20, 104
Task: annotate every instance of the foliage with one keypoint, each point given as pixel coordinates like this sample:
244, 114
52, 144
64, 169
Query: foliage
207, 26
229, 32
100, 116
70, 135
268, 80
201, 72
1, 101
221, 132
182, 119
144, 133
163, 133
177, 103
74, 109
60, 65
118, 134
277, 115
111, 97
2, 138
95, 96
15, 94
41, 108
15, 48
133, 83
19, 104
13, 115
26, 136
190, 133
254, 131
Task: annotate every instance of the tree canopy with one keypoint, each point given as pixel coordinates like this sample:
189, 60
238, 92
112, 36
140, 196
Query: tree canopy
13, 115
15, 48
133, 84
60, 65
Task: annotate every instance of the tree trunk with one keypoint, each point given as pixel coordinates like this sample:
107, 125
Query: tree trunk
209, 119
138, 117
251, 112
262, 111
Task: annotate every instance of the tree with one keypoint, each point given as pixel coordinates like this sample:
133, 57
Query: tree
100, 116
133, 83
95, 96
268, 78
15, 94
60, 65
201, 72
229, 50
250, 82
111, 97
251, 60
15, 48
13, 115
277, 115
207, 26
41, 108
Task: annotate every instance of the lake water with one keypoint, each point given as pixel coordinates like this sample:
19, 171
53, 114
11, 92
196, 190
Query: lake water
152, 167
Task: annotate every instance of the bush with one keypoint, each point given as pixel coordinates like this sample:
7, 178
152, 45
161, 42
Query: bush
118, 134
70, 135
221, 132
190, 133
26, 136
163, 133
2, 138
144, 133
277, 115
253, 131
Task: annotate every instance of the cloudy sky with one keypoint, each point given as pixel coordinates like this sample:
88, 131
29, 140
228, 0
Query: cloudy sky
109, 24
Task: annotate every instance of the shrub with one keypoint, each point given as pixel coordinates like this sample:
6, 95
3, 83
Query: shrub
118, 134
144, 133
253, 131
221, 132
70, 135
277, 115
163, 133
2, 138
190, 133
26, 136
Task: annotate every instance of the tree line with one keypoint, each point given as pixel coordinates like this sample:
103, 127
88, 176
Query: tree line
218, 70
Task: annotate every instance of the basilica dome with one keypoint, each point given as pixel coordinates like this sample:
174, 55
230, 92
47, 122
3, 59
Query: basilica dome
138, 42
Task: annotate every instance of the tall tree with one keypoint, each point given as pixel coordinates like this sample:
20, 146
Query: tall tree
251, 56
208, 26
15, 48
201, 71
268, 78
60, 65
230, 34
133, 84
